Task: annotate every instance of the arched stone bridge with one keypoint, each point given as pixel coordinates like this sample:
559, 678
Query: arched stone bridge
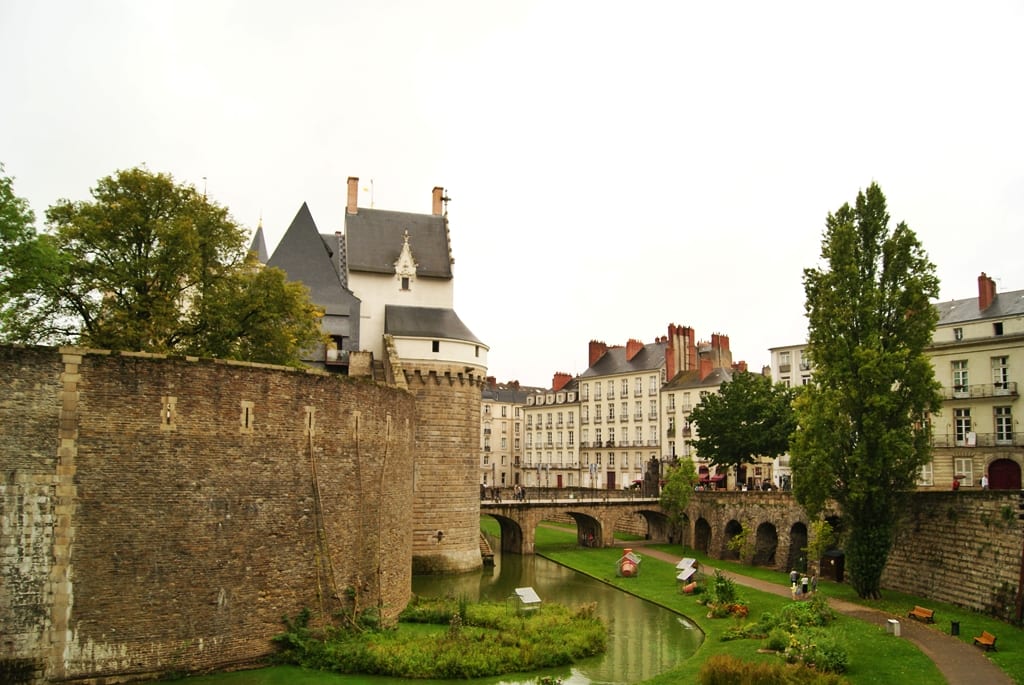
778, 525
596, 519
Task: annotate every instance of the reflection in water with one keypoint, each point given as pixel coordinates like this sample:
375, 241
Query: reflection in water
644, 639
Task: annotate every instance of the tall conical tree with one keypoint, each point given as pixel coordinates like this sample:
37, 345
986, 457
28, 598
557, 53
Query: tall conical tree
863, 422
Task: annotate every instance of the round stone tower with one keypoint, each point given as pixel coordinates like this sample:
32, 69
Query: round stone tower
446, 494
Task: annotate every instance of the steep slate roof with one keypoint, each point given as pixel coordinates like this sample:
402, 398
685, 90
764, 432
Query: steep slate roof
426, 322
374, 240
691, 379
259, 245
651, 357
507, 395
305, 257
961, 311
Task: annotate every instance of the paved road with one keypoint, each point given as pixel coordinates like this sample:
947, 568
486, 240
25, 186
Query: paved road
959, 662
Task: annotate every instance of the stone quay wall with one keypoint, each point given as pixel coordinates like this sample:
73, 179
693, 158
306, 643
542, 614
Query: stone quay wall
964, 548
163, 514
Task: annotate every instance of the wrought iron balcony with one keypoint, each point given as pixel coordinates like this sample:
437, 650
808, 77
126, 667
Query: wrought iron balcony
978, 440
980, 391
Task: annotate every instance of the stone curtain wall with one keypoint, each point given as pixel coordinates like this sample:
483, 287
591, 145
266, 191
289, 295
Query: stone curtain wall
960, 547
194, 503
29, 420
447, 490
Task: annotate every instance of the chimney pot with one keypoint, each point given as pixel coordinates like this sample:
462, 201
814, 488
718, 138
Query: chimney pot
437, 204
986, 291
633, 348
353, 195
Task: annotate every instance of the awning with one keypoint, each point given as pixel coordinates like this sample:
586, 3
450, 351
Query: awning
716, 479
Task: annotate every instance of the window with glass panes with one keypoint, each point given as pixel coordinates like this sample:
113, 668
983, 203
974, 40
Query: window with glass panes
964, 468
961, 425
1000, 373
959, 375
1004, 425
924, 476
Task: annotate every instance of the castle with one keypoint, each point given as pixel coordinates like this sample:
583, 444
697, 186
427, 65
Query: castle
163, 514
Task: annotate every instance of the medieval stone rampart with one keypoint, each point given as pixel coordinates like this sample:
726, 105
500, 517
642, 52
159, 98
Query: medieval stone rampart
163, 514
960, 547
446, 492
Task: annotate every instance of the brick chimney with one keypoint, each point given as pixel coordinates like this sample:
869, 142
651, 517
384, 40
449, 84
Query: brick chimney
986, 292
633, 348
353, 195
437, 205
706, 367
681, 351
559, 380
597, 350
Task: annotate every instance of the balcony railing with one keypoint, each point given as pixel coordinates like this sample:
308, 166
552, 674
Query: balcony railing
980, 391
979, 440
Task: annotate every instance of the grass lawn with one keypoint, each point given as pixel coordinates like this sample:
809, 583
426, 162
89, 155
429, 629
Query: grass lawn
1009, 654
902, 662
875, 657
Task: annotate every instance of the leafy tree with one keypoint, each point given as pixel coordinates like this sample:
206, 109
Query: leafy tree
749, 417
864, 429
152, 265
680, 479
822, 538
19, 252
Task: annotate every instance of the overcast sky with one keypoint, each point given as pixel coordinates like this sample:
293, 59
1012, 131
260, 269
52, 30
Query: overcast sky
613, 167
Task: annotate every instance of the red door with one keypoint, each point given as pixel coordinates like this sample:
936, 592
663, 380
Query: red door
611, 480
559, 480
1004, 474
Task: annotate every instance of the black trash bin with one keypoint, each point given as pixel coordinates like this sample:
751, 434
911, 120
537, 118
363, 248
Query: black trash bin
954, 627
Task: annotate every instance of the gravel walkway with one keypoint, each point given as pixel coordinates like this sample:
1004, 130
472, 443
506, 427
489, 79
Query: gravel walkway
959, 662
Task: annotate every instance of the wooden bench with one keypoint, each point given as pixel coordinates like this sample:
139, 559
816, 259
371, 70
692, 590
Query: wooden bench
986, 640
922, 614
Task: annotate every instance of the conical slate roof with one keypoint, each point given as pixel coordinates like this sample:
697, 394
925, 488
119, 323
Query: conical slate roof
304, 256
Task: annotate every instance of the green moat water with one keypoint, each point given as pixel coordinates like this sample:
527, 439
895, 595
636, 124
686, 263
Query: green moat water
644, 639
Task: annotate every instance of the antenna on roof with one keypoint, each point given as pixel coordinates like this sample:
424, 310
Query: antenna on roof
445, 200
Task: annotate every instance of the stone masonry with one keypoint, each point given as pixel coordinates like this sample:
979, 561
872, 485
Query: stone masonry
163, 514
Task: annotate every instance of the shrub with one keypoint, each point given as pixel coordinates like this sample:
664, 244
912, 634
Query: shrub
777, 640
723, 589
819, 650
727, 670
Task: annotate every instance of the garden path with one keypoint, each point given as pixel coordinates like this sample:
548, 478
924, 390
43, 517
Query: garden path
961, 663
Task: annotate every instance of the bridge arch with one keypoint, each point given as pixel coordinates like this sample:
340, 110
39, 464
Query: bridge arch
596, 521
732, 529
797, 545
702, 536
766, 542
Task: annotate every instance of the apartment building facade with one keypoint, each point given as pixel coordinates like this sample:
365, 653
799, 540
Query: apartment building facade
977, 352
552, 451
502, 434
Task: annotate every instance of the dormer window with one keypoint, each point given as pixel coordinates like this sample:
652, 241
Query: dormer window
405, 265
